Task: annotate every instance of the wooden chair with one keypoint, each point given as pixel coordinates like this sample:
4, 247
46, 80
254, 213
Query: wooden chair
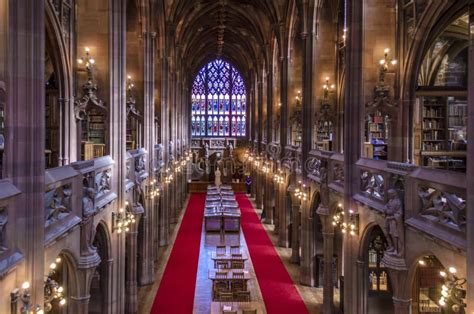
242, 296
237, 264
253, 311
234, 249
221, 275
237, 286
226, 296
221, 264
237, 256
220, 250
238, 274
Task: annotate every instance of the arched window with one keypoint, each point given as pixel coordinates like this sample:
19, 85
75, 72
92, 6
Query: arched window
218, 102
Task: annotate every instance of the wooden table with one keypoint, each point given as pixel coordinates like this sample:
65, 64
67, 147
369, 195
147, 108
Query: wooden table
230, 272
216, 307
227, 258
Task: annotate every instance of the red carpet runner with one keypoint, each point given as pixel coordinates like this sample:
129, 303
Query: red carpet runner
176, 292
278, 290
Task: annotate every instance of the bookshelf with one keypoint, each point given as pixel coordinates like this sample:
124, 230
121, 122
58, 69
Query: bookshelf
52, 124
93, 134
377, 135
444, 132
324, 135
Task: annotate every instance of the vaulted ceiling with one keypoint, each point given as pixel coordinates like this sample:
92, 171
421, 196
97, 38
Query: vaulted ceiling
237, 30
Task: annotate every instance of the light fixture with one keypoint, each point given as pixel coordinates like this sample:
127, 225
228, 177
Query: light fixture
384, 65
350, 225
279, 176
301, 192
453, 292
53, 292
327, 88
152, 189
123, 219
87, 60
23, 295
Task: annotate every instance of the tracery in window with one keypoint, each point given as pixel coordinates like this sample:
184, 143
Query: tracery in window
218, 102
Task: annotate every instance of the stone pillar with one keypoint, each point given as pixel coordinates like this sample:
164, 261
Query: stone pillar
259, 191
470, 167
307, 245
164, 201
401, 306
131, 289
295, 243
24, 143
284, 217
328, 288
353, 117
276, 210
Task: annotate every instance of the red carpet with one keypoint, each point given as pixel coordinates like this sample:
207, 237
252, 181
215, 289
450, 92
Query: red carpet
278, 290
176, 292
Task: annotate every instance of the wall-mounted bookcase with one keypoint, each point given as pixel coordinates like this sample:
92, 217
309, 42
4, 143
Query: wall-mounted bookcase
443, 132
376, 135
94, 134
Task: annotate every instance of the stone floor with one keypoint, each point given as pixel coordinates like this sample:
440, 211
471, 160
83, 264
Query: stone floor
311, 296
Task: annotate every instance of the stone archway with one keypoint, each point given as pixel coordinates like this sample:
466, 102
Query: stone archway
377, 292
100, 283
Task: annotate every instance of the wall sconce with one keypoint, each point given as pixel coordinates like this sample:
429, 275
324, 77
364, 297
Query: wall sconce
24, 296
168, 176
384, 65
350, 225
123, 219
152, 190
338, 217
301, 192
327, 88
452, 291
344, 34
279, 176
88, 61
52, 290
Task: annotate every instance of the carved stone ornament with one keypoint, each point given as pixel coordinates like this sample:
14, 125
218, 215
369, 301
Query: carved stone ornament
89, 98
393, 212
3, 229
445, 208
87, 225
58, 204
102, 182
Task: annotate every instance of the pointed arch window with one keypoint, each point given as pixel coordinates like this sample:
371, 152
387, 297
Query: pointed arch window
218, 102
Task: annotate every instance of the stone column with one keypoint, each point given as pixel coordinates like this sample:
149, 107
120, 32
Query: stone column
295, 243
401, 306
276, 211
117, 130
307, 245
470, 167
284, 217
131, 289
164, 204
353, 117
24, 143
259, 191
146, 275
328, 288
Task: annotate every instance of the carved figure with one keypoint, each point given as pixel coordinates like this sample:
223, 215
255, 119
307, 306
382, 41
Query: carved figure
102, 181
3, 231
206, 151
55, 209
217, 175
394, 223
88, 211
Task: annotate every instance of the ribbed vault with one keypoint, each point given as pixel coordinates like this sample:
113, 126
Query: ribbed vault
236, 30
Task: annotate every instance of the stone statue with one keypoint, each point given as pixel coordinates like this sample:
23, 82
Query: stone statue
102, 181
206, 151
217, 180
230, 147
3, 231
171, 151
394, 224
88, 211
55, 209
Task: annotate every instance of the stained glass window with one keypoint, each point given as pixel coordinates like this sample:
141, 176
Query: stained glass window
218, 101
